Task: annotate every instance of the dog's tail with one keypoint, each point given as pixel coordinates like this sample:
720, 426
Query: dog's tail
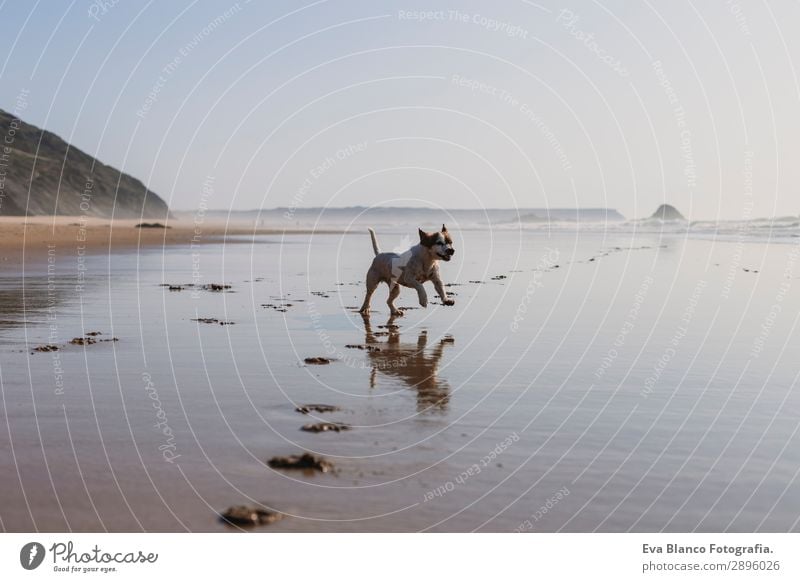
374, 241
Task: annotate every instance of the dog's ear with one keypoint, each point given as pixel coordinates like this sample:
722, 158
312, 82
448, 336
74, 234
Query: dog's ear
444, 228
425, 239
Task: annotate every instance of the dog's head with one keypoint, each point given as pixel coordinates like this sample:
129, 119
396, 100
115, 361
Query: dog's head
439, 244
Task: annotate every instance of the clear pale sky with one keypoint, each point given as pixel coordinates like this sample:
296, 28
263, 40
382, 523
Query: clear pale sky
479, 104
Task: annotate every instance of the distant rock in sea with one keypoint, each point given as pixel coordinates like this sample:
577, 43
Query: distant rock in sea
41, 174
667, 212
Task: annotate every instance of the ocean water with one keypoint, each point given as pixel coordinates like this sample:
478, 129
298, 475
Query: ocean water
608, 380
782, 229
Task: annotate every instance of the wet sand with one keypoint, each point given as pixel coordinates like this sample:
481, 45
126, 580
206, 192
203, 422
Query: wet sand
580, 383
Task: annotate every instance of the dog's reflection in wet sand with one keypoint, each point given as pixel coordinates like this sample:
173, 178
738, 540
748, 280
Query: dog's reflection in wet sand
413, 363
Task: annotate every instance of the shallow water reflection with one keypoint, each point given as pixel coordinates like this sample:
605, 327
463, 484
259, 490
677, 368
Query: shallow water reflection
414, 364
29, 301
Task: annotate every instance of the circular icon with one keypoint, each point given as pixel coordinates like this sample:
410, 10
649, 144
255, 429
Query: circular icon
31, 555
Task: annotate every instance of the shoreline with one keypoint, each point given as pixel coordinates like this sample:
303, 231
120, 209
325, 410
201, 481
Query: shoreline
28, 240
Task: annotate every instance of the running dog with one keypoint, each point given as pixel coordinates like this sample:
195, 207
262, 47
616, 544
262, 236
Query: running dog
414, 267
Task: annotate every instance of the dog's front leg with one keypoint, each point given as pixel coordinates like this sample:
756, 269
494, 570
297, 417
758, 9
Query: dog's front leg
422, 294
439, 286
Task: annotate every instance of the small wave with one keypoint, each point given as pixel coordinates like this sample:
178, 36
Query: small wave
758, 230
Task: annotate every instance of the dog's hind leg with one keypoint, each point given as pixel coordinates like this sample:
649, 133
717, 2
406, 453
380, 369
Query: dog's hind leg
394, 291
372, 283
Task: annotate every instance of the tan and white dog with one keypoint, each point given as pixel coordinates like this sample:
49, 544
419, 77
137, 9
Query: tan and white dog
414, 267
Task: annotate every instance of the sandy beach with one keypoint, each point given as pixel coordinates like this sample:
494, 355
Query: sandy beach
30, 239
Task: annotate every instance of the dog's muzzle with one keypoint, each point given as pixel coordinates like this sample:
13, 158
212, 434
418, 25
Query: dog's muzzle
448, 254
